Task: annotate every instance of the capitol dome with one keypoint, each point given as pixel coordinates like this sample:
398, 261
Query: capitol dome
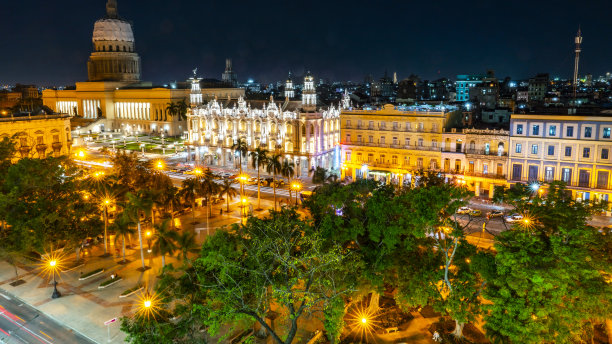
113, 58
113, 30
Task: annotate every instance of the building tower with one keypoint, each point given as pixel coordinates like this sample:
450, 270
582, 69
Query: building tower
229, 76
578, 41
309, 93
113, 58
195, 97
289, 91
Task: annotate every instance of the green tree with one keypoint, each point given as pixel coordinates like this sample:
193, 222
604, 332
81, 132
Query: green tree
241, 148
7, 152
186, 244
320, 176
190, 192
550, 276
165, 241
288, 170
178, 109
274, 167
226, 189
279, 262
139, 206
208, 188
171, 201
123, 226
259, 157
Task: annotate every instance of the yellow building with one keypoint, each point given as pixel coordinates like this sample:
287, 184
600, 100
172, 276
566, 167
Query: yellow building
38, 136
391, 143
476, 157
570, 148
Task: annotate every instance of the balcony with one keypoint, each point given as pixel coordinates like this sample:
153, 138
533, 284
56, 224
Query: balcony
486, 153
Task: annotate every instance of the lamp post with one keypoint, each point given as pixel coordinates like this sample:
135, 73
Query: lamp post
105, 204
163, 146
52, 267
148, 234
142, 147
297, 187
243, 204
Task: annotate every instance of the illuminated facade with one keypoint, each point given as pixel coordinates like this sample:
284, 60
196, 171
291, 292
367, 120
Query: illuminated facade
476, 157
38, 136
391, 143
573, 149
309, 139
114, 98
289, 90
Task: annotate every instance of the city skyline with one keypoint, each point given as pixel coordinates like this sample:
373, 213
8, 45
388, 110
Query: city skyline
335, 41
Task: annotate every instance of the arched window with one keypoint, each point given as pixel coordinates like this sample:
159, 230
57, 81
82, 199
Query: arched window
110, 48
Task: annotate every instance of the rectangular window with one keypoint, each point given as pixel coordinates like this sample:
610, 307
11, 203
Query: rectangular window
535, 129
348, 156
394, 125
420, 142
471, 166
395, 141
517, 169
518, 147
348, 123
583, 178
485, 169
359, 124
407, 141
566, 175
394, 160
56, 138
371, 139
533, 173
383, 125
549, 174
519, 129
370, 157
382, 140
604, 153
371, 125
552, 130
570, 132
408, 126
420, 162
568, 151
586, 153
602, 179
551, 150
606, 133
588, 131
500, 169
534, 149
359, 138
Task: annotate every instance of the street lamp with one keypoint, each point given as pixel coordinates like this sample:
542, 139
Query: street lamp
105, 203
148, 305
52, 265
297, 187
142, 147
159, 165
163, 146
243, 204
148, 235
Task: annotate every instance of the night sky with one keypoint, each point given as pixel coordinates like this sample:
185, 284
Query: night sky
48, 42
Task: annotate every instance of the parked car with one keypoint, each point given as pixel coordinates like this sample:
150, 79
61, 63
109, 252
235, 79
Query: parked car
464, 210
269, 181
495, 213
252, 181
513, 218
475, 212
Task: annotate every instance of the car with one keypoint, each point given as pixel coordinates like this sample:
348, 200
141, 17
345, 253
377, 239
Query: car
252, 181
270, 181
513, 218
495, 213
475, 212
464, 210
216, 200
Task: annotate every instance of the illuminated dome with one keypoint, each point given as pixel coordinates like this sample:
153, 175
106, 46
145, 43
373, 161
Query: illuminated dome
113, 58
113, 30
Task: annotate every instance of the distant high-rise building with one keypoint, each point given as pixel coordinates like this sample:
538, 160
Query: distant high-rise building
464, 83
538, 87
578, 41
289, 90
229, 76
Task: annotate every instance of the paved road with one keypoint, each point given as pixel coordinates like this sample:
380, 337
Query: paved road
20, 323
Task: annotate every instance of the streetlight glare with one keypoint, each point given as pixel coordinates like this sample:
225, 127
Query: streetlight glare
364, 320
147, 303
53, 263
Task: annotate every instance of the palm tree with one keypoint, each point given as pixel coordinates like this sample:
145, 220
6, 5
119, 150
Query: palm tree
226, 189
208, 187
319, 176
172, 201
274, 167
139, 203
165, 241
287, 170
259, 157
189, 193
241, 147
123, 227
186, 244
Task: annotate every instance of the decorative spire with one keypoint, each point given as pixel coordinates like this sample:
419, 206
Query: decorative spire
111, 9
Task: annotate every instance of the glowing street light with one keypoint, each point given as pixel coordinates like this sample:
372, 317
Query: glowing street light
148, 235
297, 187
535, 187
159, 165
51, 266
148, 305
105, 204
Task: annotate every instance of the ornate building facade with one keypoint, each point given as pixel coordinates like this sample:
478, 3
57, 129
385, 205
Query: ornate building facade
38, 136
114, 98
390, 143
308, 138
